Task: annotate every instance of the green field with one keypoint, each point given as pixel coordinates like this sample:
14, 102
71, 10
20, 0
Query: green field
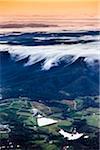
18, 114
93, 120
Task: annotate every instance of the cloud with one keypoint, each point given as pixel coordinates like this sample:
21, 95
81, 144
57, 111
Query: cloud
52, 55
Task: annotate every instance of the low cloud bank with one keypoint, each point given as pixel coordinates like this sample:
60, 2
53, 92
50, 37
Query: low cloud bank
52, 55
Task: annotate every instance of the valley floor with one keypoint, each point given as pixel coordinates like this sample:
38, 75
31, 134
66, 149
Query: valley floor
65, 115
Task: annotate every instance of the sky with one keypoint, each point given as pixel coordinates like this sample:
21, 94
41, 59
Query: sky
74, 8
66, 9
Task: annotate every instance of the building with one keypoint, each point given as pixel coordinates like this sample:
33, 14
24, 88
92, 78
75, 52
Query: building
71, 136
43, 121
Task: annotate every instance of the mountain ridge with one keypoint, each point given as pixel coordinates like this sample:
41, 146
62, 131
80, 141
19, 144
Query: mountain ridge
30, 81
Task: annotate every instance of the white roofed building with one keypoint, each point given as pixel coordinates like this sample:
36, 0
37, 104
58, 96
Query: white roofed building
71, 136
43, 121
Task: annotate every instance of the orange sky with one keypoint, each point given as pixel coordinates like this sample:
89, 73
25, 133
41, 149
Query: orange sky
26, 10
74, 8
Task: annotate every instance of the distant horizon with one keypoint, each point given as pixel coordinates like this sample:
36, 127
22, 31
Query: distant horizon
49, 11
42, 23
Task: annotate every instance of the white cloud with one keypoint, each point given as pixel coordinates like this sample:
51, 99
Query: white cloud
53, 54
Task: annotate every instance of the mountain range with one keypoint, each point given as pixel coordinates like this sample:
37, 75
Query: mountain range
65, 81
